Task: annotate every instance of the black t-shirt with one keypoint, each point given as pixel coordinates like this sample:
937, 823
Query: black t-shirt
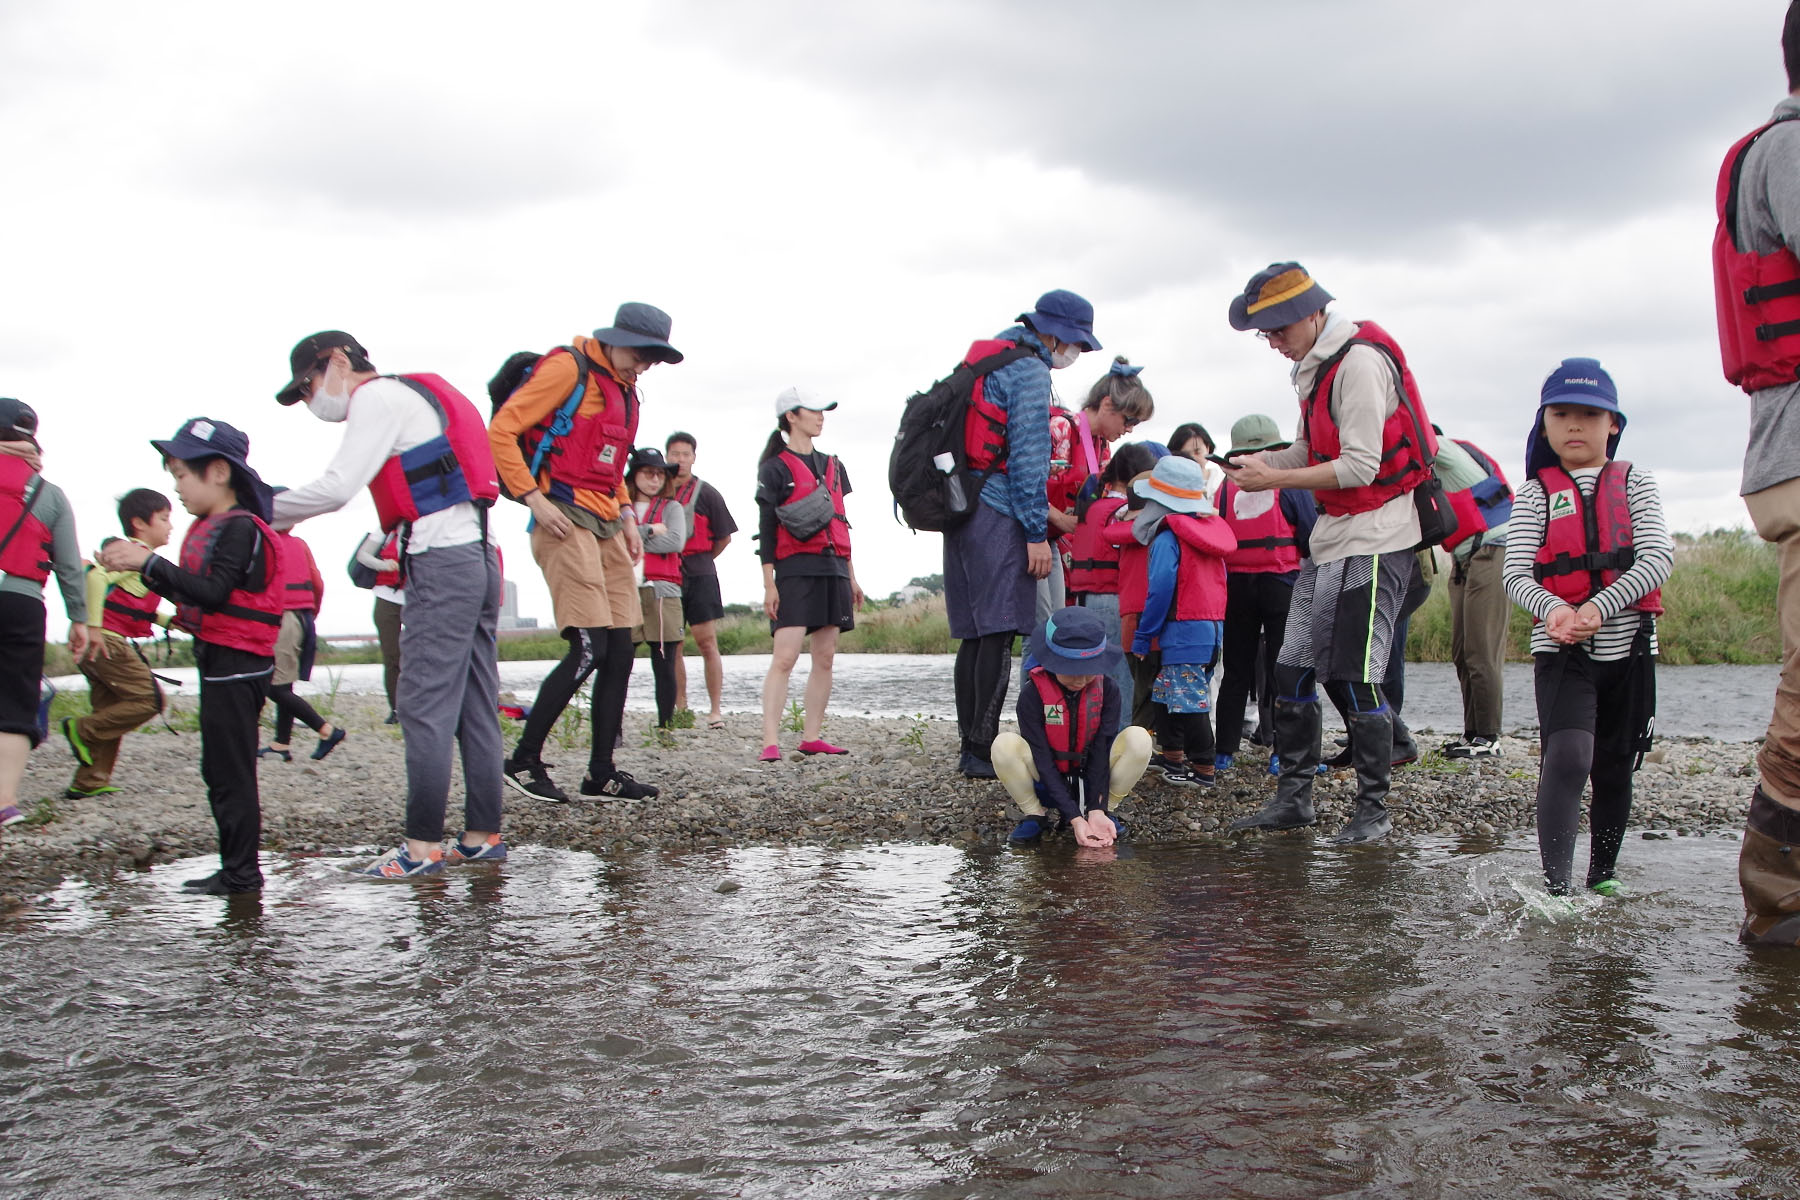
709, 504
773, 487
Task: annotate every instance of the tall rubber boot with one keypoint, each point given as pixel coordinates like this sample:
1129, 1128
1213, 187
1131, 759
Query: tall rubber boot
1406, 749
1372, 746
1297, 750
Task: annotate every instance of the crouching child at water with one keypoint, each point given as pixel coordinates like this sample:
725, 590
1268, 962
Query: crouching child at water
37, 535
1061, 756
1184, 612
1586, 555
122, 691
227, 596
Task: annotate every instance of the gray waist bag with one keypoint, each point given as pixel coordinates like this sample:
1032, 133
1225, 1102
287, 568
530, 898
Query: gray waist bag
805, 517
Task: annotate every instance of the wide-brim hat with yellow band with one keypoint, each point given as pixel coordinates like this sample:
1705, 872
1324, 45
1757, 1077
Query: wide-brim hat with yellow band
1177, 483
1277, 296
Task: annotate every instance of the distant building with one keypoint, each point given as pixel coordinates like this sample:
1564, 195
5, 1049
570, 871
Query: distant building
911, 592
509, 610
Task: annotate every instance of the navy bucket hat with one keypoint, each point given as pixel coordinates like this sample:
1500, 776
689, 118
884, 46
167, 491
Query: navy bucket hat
1580, 381
1064, 316
641, 327
1072, 641
1277, 296
203, 437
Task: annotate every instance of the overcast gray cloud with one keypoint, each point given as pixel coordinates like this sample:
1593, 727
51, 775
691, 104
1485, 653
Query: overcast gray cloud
1378, 123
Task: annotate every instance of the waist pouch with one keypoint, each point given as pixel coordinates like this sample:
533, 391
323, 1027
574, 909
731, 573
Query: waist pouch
805, 517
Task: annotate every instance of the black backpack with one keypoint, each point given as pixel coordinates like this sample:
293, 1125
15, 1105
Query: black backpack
927, 497
512, 375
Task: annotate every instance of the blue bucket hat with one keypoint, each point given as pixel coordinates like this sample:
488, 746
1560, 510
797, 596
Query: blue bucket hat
1177, 483
1574, 381
1072, 641
203, 437
1277, 296
1064, 316
641, 327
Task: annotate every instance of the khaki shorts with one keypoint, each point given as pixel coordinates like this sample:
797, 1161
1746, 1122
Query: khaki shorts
592, 585
650, 629
287, 649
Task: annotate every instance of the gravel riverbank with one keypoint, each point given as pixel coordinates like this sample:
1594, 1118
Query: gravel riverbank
898, 784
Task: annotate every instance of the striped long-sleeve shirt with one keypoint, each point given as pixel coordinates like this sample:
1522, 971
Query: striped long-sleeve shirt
1655, 559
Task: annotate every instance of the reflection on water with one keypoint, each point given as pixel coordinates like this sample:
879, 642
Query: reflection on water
1727, 702
1266, 1019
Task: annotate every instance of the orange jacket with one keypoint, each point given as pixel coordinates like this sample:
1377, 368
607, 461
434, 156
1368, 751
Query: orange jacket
536, 401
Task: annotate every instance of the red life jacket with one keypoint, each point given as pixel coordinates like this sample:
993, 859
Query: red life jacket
128, 615
454, 467
1757, 295
1587, 545
30, 549
984, 426
1485, 506
700, 538
1066, 483
1134, 570
593, 452
391, 549
1069, 739
1403, 467
1094, 569
250, 618
1200, 570
835, 537
661, 568
1266, 544
297, 590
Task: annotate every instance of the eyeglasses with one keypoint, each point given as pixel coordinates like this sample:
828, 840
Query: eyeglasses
1130, 423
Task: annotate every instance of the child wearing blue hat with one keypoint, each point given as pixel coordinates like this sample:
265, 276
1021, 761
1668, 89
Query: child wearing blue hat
1184, 612
1586, 555
1061, 756
228, 596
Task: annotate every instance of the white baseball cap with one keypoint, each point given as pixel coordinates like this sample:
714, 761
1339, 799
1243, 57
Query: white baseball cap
797, 397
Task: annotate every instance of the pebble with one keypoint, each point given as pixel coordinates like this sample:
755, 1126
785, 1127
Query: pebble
715, 794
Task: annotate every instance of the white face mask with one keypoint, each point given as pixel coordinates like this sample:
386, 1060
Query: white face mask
1064, 356
330, 406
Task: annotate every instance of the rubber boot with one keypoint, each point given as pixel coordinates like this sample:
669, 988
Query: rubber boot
1406, 749
1372, 741
1297, 748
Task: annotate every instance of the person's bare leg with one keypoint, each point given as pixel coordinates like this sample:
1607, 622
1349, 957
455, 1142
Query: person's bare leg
775, 684
706, 638
15, 748
681, 675
818, 684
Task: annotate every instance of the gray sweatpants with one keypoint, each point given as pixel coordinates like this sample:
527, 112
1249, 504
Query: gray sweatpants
450, 686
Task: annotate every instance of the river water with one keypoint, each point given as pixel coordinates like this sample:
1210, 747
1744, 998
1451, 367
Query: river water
1274, 1018
1731, 703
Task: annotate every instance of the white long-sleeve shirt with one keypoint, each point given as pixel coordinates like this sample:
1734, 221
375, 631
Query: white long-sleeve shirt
386, 418
1655, 558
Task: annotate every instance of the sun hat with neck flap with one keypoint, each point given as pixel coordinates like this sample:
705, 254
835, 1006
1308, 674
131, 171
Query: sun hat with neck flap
1178, 484
1072, 641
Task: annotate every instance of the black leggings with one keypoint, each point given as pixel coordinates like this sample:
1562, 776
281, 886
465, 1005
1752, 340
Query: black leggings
603, 653
983, 671
287, 707
1189, 733
1567, 764
662, 670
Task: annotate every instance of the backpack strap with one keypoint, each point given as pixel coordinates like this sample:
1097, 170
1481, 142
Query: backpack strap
564, 418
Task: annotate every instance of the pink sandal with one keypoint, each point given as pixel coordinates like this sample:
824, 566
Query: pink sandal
821, 746
770, 754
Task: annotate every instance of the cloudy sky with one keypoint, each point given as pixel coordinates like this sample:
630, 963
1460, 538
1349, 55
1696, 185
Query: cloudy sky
843, 196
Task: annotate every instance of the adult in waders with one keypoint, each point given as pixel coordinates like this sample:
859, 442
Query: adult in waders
1757, 281
1358, 451
994, 560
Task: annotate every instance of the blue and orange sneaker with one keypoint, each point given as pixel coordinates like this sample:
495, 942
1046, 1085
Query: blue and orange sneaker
492, 850
396, 864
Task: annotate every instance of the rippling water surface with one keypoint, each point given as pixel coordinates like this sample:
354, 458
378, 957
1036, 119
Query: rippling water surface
1270, 1020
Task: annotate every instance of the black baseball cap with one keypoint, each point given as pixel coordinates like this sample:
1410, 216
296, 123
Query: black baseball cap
309, 355
18, 421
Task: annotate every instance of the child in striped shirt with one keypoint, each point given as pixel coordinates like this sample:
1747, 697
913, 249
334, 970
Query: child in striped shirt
1586, 555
